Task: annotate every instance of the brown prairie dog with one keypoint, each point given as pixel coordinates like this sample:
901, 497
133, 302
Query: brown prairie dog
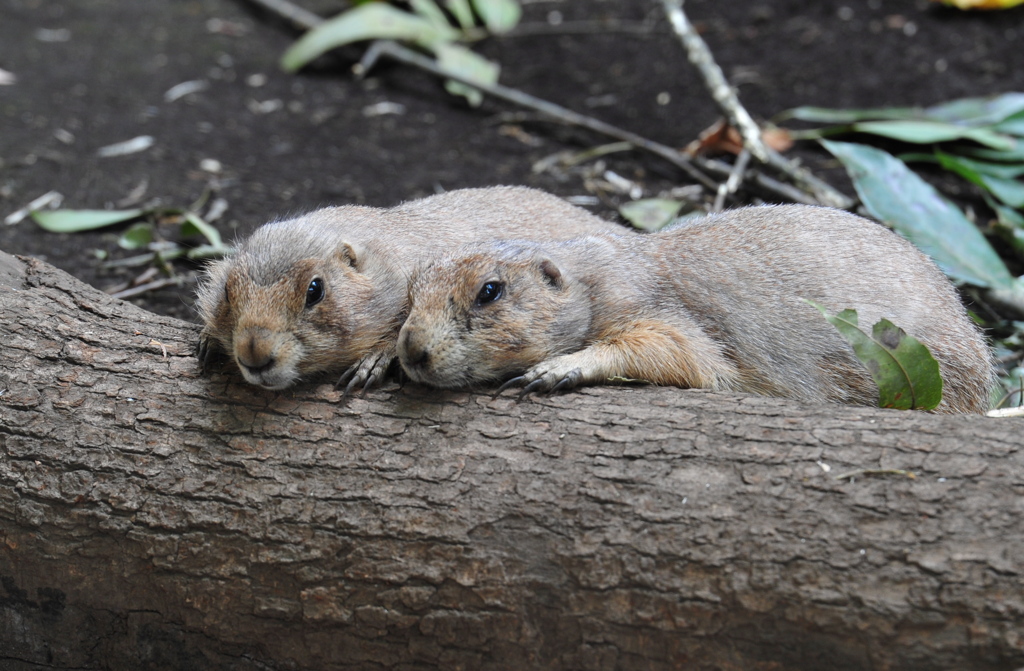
328, 291
716, 304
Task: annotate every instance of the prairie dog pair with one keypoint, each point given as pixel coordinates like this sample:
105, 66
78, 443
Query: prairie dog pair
716, 304
328, 291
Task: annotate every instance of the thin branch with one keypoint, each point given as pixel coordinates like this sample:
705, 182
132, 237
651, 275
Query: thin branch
757, 179
410, 57
729, 103
788, 191
698, 53
821, 190
729, 186
149, 286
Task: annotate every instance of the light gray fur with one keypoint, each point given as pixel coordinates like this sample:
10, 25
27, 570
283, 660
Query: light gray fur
738, 280
389, 245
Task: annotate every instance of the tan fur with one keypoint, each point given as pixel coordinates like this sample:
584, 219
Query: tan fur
253, 305
716, 304
663, 354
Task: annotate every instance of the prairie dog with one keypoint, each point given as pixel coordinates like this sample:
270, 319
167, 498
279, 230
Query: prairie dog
328, 291
715, 304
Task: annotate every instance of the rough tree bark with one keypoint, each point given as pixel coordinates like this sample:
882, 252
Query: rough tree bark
151, 518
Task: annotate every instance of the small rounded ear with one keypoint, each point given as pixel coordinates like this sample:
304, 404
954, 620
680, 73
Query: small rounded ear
349, 253
551, 273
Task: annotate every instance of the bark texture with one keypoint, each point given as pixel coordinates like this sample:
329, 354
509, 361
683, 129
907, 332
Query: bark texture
151, 518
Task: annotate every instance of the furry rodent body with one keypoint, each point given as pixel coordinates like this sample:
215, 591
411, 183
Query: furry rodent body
715, 304
263, 308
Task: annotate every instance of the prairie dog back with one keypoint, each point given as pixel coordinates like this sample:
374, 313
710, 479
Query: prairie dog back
767, 260
327, 291
714, 304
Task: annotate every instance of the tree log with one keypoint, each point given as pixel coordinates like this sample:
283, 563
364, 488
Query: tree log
153, 518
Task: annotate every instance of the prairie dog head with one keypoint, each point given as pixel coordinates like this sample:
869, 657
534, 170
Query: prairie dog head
296, 300
487, 312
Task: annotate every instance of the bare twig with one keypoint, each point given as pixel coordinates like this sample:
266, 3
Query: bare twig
567, 159
410, 57
821, 190
698, 53
735, 179
48, 199
728, 102
149, 286
758, 179
773, 186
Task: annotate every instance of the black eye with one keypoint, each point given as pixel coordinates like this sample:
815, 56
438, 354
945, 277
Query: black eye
315, 292
490, 292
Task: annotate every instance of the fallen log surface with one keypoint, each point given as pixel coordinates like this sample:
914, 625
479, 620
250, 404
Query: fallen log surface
152, 518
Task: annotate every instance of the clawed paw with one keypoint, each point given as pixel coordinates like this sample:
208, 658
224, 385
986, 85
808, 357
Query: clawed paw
542, 380
365, 373
209, 352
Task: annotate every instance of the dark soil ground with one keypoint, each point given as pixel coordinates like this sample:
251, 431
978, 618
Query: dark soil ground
94, 72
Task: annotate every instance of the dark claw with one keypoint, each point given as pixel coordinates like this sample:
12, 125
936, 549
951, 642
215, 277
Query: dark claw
509, 383
369, 383
567, 382
536, 385
346, 375
351, 385
208, 354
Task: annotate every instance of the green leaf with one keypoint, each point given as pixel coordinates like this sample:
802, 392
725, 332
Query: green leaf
500, 16
906, 373
1014, 154
1009, 216
365, 22
960, 167
1012, 126
74, 221
1010, 191
827, 115
978, 111
918, 157
651, 214
1005, 189
928, 132
461, 61
138, 236
195, 225
462, 12
893, 194
429, 10
1002, 170
965, 111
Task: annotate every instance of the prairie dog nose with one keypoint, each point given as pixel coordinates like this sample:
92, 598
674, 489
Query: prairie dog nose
255, 349
412, 347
